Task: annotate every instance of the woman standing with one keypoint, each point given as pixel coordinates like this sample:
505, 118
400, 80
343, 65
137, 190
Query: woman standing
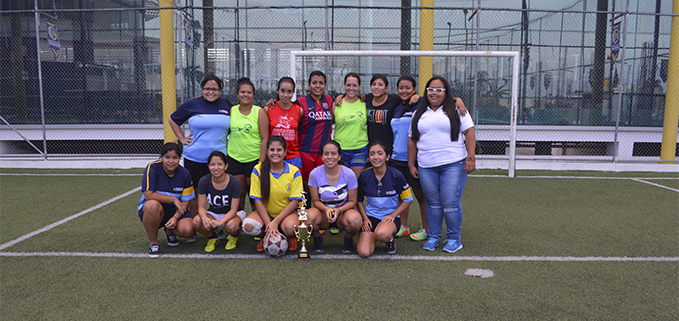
383, 186
209, 119
276, 190
444, 143
284, 117
221, 191
334, 191
316, 124
249, 134
350, 125
166, 190
400, 125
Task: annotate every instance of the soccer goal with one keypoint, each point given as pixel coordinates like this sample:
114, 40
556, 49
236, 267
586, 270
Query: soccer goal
513, 55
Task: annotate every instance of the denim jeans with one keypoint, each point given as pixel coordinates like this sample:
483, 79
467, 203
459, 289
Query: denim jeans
443, 187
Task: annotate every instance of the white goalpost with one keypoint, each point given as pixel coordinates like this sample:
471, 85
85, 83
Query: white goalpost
513, 55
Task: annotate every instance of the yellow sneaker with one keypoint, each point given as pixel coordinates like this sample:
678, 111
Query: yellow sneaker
232, 242
211, 244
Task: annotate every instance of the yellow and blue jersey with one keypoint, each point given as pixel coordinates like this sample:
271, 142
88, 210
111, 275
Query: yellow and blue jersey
383, 195
285, 187
155, 179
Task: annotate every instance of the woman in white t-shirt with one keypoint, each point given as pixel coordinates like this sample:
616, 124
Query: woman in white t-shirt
334, 191
444, 144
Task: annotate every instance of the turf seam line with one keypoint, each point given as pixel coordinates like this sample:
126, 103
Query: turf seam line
62, 221
355, 256
654, 184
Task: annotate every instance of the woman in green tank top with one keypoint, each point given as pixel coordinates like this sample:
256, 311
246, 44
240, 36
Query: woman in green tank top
249, 134
350, 125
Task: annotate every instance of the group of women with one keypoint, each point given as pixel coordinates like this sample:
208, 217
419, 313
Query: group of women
274, 152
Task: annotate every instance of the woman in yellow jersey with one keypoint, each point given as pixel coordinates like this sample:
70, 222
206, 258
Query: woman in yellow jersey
249, 133
350, 125
276, 190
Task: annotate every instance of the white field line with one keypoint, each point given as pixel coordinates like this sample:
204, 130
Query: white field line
654, 184
494, 176
355, 257
57, 223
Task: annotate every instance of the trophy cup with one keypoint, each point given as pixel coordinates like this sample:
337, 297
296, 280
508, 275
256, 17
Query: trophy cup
303, 231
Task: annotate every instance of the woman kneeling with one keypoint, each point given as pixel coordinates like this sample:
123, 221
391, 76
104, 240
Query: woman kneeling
334, 190
276, 187
222, 192
383, 186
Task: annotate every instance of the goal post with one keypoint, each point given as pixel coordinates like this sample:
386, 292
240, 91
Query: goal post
513, 55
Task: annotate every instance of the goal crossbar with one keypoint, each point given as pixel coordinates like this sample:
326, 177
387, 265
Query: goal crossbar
513, 55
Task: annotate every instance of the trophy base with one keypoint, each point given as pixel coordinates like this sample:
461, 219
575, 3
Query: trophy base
303, 256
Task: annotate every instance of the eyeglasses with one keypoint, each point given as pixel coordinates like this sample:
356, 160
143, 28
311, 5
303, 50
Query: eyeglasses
211, 89
438, 91
379, 188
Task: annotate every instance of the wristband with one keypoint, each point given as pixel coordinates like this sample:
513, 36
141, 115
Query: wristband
471, 159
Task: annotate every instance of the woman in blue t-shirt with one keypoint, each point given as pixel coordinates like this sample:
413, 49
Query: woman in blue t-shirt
221, 191
383, 186
334, 190
166, 191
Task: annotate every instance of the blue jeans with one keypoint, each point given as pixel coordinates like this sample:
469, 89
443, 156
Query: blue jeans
443, 187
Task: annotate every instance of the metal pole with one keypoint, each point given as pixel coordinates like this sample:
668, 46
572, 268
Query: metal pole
448, 48
475, 66
42, 103
621, 86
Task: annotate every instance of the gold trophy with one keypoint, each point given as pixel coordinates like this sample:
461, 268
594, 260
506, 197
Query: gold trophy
303, 232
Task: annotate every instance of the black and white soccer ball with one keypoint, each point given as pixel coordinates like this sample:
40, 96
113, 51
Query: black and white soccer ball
276, 245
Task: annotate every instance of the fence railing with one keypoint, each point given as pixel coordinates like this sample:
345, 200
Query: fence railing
105, 71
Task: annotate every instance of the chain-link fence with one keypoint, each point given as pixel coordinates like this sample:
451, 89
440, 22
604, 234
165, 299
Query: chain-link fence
101, 85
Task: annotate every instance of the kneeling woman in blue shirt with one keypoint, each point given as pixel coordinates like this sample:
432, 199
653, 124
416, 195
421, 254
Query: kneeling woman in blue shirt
383, 186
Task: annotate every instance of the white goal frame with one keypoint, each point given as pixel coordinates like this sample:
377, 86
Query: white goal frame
514, 55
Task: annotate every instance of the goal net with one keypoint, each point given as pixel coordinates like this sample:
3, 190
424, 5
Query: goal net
302, 67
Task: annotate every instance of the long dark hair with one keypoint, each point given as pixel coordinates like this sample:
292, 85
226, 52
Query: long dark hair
414, 84
288, 80
339, 150
448, 106
217, 154
264, 178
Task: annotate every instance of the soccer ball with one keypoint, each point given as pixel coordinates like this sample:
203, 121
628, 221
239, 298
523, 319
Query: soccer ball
276, 245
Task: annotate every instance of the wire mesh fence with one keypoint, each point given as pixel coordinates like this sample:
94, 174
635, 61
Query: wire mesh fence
585, 89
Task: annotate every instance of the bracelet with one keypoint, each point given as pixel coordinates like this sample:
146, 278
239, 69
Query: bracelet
471, 159
340, 211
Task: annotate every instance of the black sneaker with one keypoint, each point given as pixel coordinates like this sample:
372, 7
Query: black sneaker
348, 246
171, 239
153, 250
318, 244
390, 247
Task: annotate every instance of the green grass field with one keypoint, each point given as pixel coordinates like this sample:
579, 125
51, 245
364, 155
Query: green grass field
596, 246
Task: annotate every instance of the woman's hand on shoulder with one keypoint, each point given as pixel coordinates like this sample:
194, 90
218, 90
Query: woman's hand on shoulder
270, 103
338, 100
459, 105
414, 99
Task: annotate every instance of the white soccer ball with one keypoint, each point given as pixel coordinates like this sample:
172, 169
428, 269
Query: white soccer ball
275, 245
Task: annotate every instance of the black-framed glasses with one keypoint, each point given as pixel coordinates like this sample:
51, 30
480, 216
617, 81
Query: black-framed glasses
379, 188
212, 89
438, 91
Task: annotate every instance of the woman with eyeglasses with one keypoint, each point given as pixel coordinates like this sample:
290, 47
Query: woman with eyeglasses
444, 144
209, 120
